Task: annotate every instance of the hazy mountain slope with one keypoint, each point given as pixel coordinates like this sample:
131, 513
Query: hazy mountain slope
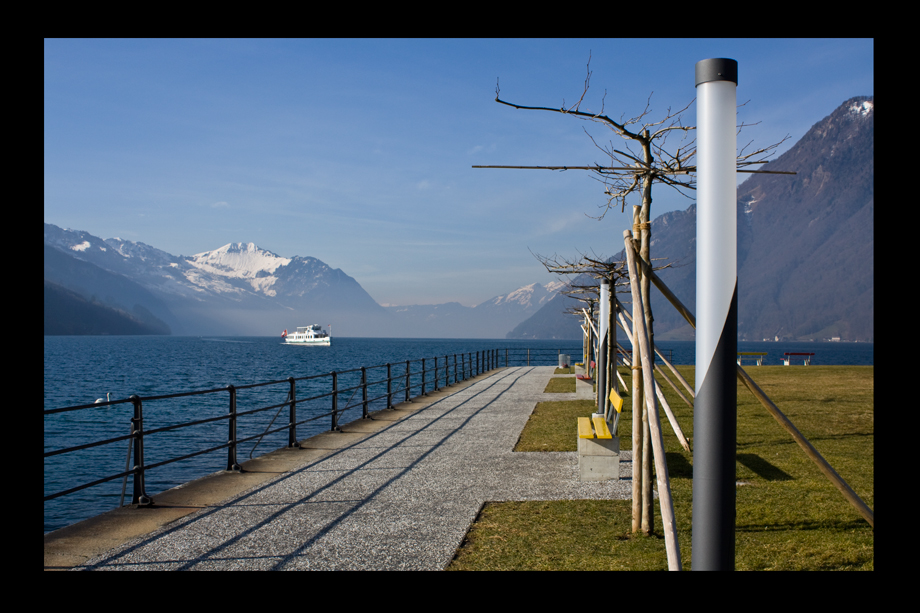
102, 287
69, 313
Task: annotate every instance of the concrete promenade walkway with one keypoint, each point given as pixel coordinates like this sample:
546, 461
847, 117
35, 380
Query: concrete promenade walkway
398, 498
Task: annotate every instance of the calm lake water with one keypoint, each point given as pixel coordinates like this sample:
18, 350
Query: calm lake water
80, 369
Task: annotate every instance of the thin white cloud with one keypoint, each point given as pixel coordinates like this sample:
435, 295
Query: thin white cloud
480, 149
561, 223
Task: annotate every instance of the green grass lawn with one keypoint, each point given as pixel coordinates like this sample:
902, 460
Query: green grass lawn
560, 385
789, 516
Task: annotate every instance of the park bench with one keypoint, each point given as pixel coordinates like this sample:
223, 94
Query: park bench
584, 384
805, 357
598, 450
754, 355
580, 370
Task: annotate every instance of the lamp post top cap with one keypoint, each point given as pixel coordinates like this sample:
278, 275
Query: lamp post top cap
716, 69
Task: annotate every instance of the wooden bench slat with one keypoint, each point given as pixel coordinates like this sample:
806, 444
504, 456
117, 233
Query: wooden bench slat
584, 428
616, 401
601, 427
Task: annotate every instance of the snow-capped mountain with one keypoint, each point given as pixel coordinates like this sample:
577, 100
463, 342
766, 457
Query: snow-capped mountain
244, 261
236, 289
490, 319
146, 265
244, 268
529, 298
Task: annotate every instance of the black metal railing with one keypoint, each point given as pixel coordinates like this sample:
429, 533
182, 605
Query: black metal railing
379, 386
520, 356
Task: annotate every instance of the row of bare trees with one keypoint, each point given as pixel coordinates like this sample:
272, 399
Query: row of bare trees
641, 152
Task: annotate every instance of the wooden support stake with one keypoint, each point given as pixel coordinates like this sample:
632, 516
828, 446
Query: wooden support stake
680, 377
626, 362
672, 419
674, 387
661, 466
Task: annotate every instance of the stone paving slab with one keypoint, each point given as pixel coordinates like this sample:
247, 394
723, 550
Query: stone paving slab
401, 498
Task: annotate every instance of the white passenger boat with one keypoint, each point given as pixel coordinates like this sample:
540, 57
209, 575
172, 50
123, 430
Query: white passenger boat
308, 335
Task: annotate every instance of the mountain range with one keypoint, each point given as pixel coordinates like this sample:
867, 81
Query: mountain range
805, 269
241, 289
805, 245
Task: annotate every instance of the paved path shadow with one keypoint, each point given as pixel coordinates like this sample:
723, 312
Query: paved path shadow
401, 498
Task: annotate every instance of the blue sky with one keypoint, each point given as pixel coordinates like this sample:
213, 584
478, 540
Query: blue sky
359, 152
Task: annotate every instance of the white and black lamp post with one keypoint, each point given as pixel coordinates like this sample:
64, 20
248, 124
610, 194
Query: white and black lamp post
715, 408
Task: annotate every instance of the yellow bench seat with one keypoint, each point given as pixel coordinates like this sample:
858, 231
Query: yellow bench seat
599, 430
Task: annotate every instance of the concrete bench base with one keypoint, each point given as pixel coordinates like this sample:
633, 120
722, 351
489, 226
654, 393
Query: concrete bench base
599, 459
584, 389
598, 450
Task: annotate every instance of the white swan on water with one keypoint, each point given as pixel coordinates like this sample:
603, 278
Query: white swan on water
106, 399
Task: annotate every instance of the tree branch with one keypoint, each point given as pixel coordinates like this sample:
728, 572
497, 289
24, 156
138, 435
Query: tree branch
655, 161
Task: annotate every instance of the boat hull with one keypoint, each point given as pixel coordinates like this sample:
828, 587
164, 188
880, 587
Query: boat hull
322, 342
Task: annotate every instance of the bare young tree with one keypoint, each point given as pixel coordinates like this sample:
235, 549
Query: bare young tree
645, 156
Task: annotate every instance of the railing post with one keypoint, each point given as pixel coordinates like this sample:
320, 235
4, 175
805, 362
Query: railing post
232, 464
423, 377
436, 373
140, 496
292, 428
389, 387
363, 392
455, 368
407, 380
335, 401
